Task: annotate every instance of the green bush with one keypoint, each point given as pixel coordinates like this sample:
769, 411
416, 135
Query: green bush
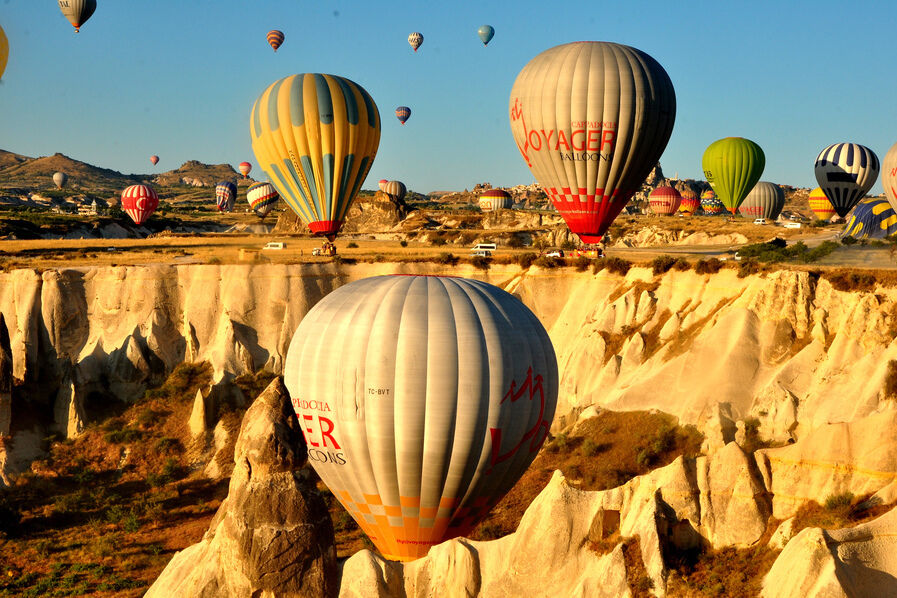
123, 436
852, 281
662, 264
438, 241
615, 265
446, 258
747, 267
582, 263
708, 266
403, 243
352, 245
525, 260
568, 245
848, 240
480, 262
835, 502
543, 261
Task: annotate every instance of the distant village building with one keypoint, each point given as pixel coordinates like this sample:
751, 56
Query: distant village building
88, 209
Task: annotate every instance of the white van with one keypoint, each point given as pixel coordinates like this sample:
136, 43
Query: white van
485, 247
760, 221
275, 245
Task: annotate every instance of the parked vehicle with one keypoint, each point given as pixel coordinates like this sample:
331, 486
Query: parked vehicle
761, 221
555, 253
485, 247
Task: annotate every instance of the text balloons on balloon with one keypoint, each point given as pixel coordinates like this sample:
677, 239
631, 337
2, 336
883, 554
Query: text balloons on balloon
423, 400
591, 166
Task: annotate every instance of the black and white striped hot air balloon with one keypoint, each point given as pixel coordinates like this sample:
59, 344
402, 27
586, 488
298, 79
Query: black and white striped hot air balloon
846, 172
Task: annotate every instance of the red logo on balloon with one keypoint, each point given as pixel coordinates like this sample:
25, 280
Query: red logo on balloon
529, 390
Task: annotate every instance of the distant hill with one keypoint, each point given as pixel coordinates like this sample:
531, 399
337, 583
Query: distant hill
197, 174
38, 172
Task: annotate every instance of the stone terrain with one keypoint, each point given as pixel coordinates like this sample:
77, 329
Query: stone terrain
786, 354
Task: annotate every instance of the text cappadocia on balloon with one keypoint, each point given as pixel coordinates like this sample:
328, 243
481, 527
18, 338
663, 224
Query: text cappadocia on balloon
423, 400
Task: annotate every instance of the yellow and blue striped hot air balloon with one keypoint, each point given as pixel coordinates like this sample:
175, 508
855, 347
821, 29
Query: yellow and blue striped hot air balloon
316, 137
872, 218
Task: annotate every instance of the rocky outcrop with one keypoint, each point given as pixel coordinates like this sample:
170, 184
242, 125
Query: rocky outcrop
272, 536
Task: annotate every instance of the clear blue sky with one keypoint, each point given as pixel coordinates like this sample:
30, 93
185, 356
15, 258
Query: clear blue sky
178, 77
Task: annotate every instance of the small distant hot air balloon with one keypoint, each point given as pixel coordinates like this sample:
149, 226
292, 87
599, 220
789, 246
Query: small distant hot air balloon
422, 400
845, 172
262, 198
664, 200
710, 203
494, 200
382, 185
766, 200
275, 38
821, 206
139, 202
77, 11
154, 160
403, 113
225, 196
872, 218
486, 33
316, 136
733, 165
395, 190
416, 39
61, 179
690, 202
4, 51
590, 166
245, 168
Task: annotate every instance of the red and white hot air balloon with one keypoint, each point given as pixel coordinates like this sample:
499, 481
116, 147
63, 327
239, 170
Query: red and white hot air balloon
245, 167
139, 202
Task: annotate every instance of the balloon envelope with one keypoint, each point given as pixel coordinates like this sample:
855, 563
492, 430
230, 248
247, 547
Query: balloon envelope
710, 203
316, 137
262, 198
591, 119
245, 169
139, 202
416, 39
154, 160
382, 185
494, 200
821, 206
275, 38
872, 218
845, 172
690, 202
664, 200
422, 399
766, 200
395, 189
225, 196
4, 51
403, 113
77, 11
486, 33
733, 166
60, 179
889, 175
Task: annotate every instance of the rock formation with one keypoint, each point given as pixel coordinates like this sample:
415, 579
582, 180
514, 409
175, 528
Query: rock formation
272, 536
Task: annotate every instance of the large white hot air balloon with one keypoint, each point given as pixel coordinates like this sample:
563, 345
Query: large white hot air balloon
422, 399
846, 172
765, 200
591, 119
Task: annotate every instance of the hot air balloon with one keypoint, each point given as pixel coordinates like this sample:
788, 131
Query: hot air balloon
872, 218
710, 203
845, 172
403, 113
139, 202
154, 160
766, 200
225, 196
733, 166
423, 400
316, 137
690, 202
888, 173
395, 190
60, 179
664, 200
275, 38
486, 33
494, 200
262, 198
4, 51
416, 39
382, 185
820, 204
591, 166
77, 11
245, 168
